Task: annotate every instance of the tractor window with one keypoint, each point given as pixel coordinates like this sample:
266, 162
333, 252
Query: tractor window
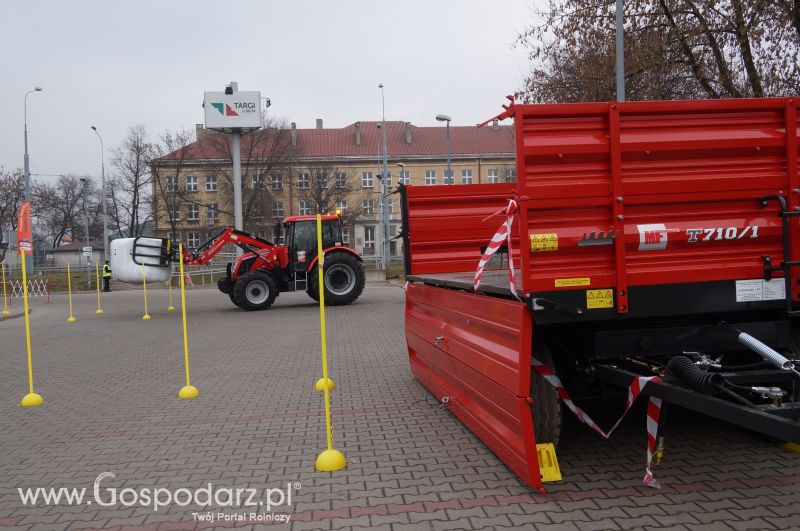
331, 233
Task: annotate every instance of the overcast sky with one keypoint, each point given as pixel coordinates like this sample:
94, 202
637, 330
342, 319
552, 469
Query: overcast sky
113, 64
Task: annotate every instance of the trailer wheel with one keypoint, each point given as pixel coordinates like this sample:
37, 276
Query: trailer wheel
547, 411
344, 279
255, 291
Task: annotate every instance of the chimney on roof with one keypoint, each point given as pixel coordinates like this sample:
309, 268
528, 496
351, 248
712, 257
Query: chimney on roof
358, 133
408, 132
495, 124
294, 134
319, 123
199, 131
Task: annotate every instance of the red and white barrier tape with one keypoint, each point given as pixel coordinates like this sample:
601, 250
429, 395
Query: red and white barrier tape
653, 413
503, 233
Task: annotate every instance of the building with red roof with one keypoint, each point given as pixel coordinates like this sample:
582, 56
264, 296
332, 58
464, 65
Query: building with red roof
288, 171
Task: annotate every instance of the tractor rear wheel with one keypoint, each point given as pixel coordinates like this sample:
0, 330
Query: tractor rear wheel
344, 279
255, 290
547, 411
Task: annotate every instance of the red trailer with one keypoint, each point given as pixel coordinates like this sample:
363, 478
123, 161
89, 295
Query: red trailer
654, 247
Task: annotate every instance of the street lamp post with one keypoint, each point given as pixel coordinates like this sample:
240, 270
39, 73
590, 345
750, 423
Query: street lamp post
384, 191
103, 194
85, 182
26, 163
446, 118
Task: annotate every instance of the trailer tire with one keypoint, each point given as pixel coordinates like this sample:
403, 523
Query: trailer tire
344, 279
547, 410
255, 291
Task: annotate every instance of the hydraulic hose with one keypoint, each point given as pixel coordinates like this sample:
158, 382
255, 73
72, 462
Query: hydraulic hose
706, 382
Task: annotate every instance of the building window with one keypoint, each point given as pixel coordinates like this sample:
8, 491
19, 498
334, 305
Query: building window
405, 177
302, 180
341, 180
346, 236
369, 240
366, 180
257, 211
277, 209
466, 176
388, 180
172, 183
448, 177
493, 178
192, 239
193, 212
277, 182
174, 213
430, 176
304, 209
389, 206
258, 182
191, 183
368, 206
322, 180
341, 206
212, 214
511, 176
211, 183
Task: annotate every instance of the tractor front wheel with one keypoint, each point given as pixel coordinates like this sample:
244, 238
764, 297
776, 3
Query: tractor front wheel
344, 279
255, 290
225, 285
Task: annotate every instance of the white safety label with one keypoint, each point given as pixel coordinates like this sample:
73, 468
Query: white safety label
760, 290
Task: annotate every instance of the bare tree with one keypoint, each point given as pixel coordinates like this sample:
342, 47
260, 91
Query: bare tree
12, 193
171, 193
264, 153
58, 209
673, 49
327, 190
129, 187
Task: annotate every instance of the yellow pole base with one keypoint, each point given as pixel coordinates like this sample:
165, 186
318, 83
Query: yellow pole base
71, 319
792, 447
331, 461
188, 391
171, 308
146, 317
31, 400
320, 385
99, 311
6, 312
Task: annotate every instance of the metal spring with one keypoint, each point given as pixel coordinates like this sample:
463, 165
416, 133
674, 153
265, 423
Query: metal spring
765, 352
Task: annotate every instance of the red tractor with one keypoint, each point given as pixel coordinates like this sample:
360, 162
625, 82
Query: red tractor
266, 269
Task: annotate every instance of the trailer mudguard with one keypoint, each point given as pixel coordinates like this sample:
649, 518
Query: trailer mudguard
475, 351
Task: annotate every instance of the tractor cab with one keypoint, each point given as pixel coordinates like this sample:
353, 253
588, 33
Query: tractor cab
301, 238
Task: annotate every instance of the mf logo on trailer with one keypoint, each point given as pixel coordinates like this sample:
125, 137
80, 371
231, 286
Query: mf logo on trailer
653, 236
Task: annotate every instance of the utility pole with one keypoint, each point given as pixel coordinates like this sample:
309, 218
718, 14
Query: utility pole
236, 148
103, 184
27, 168
86, 233
620, 52
383, 188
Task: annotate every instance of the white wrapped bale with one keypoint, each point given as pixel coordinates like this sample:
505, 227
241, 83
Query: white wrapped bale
149, 251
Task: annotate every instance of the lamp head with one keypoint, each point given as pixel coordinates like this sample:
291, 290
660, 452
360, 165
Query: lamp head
37, 89
94, 128
443, 117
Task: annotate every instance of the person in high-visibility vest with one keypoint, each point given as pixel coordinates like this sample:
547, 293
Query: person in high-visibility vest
106, 277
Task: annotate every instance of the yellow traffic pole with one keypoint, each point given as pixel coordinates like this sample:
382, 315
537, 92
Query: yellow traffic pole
31, 399
146, 316
330, 460
188, 390
171, 308
71, 318
5, 300
97, 281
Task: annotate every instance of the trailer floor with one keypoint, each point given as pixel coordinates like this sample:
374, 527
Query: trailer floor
110, 386
493, 281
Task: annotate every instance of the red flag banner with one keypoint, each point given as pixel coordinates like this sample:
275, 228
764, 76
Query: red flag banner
24, 228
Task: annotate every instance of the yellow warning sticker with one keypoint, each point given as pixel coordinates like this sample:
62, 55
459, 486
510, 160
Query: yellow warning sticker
571, 282
599, 298
544, 242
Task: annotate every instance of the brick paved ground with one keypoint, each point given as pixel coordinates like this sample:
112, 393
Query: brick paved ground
110, 385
